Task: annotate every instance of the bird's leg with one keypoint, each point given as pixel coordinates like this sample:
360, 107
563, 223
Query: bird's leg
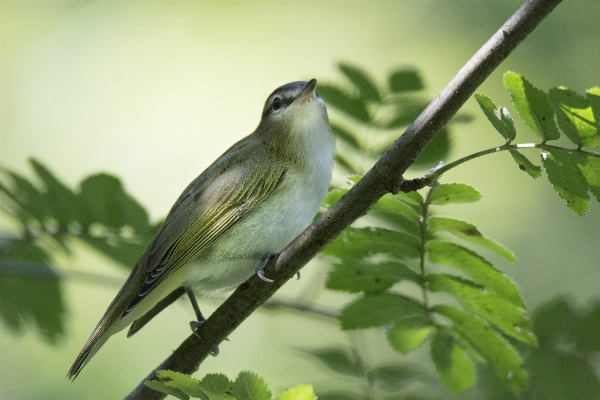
260, 270
200, 318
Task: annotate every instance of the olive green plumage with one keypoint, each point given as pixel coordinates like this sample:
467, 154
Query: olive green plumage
251, 202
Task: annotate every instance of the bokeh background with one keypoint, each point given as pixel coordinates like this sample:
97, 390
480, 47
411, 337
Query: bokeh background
154, 91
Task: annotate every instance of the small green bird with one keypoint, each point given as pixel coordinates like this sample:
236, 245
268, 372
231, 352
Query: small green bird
247, 206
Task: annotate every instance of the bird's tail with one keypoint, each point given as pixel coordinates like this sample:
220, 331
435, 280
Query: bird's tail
90, 348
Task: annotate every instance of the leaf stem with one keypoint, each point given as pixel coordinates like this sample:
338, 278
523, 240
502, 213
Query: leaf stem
422, 251
507, 146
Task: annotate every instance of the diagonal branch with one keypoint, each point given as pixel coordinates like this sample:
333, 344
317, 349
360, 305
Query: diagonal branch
384, 177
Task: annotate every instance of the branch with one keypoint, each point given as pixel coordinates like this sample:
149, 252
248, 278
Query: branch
384, 177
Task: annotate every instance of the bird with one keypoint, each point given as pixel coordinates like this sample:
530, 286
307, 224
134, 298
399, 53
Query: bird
246, 207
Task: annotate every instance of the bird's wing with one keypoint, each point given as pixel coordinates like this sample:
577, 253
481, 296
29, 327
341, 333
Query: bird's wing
211, 205
201, 218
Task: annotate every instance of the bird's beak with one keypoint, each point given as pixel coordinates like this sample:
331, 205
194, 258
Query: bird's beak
308, 92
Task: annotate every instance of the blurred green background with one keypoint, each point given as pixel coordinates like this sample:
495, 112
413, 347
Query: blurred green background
154, 91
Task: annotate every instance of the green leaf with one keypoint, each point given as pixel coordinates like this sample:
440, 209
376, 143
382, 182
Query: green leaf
476, 267
468, 232
249, 386
378, 309
217, 387
300, 392
166, 389
404, 112
593, 96
59, 198
502, 357
412, 198
437, 150
183, 383
364, 242
337, 359
567, 179
362, 81
356, 275
107, 202
332, 197
532, 105
561, 375
574, 116
30, 292
509, 318
393, 210
589, 166
338, 98
395, 377
455, 367
405, 80
345, 135
525, 165
409, 333
447, 193
498, 116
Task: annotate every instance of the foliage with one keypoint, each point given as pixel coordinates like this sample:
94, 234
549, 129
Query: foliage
371, 115
247, 386
49, 215
469, 314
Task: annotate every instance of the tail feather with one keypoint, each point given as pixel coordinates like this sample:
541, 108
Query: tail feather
89, 349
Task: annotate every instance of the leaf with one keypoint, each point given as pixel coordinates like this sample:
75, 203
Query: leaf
337, 359
476, 267
574, 116
364, 242
498, 116
249, 386
35, 298
338, 98
107, 202
437, 150
362, 81
447, 193
525, 165
509, 318
567, 179
502, 357
392, 209
300, 392
378, 309
166, 389
59, 198
413, 198
345, 135
404, 112
182, 382
532, 105
454, 366
405, 80
468, 232
590, 169
561, 375
332, 197
356, 275
217, 387
409, 333
395, 377
593, 97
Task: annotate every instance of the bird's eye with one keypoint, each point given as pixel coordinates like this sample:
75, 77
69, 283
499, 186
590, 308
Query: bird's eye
277, 103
